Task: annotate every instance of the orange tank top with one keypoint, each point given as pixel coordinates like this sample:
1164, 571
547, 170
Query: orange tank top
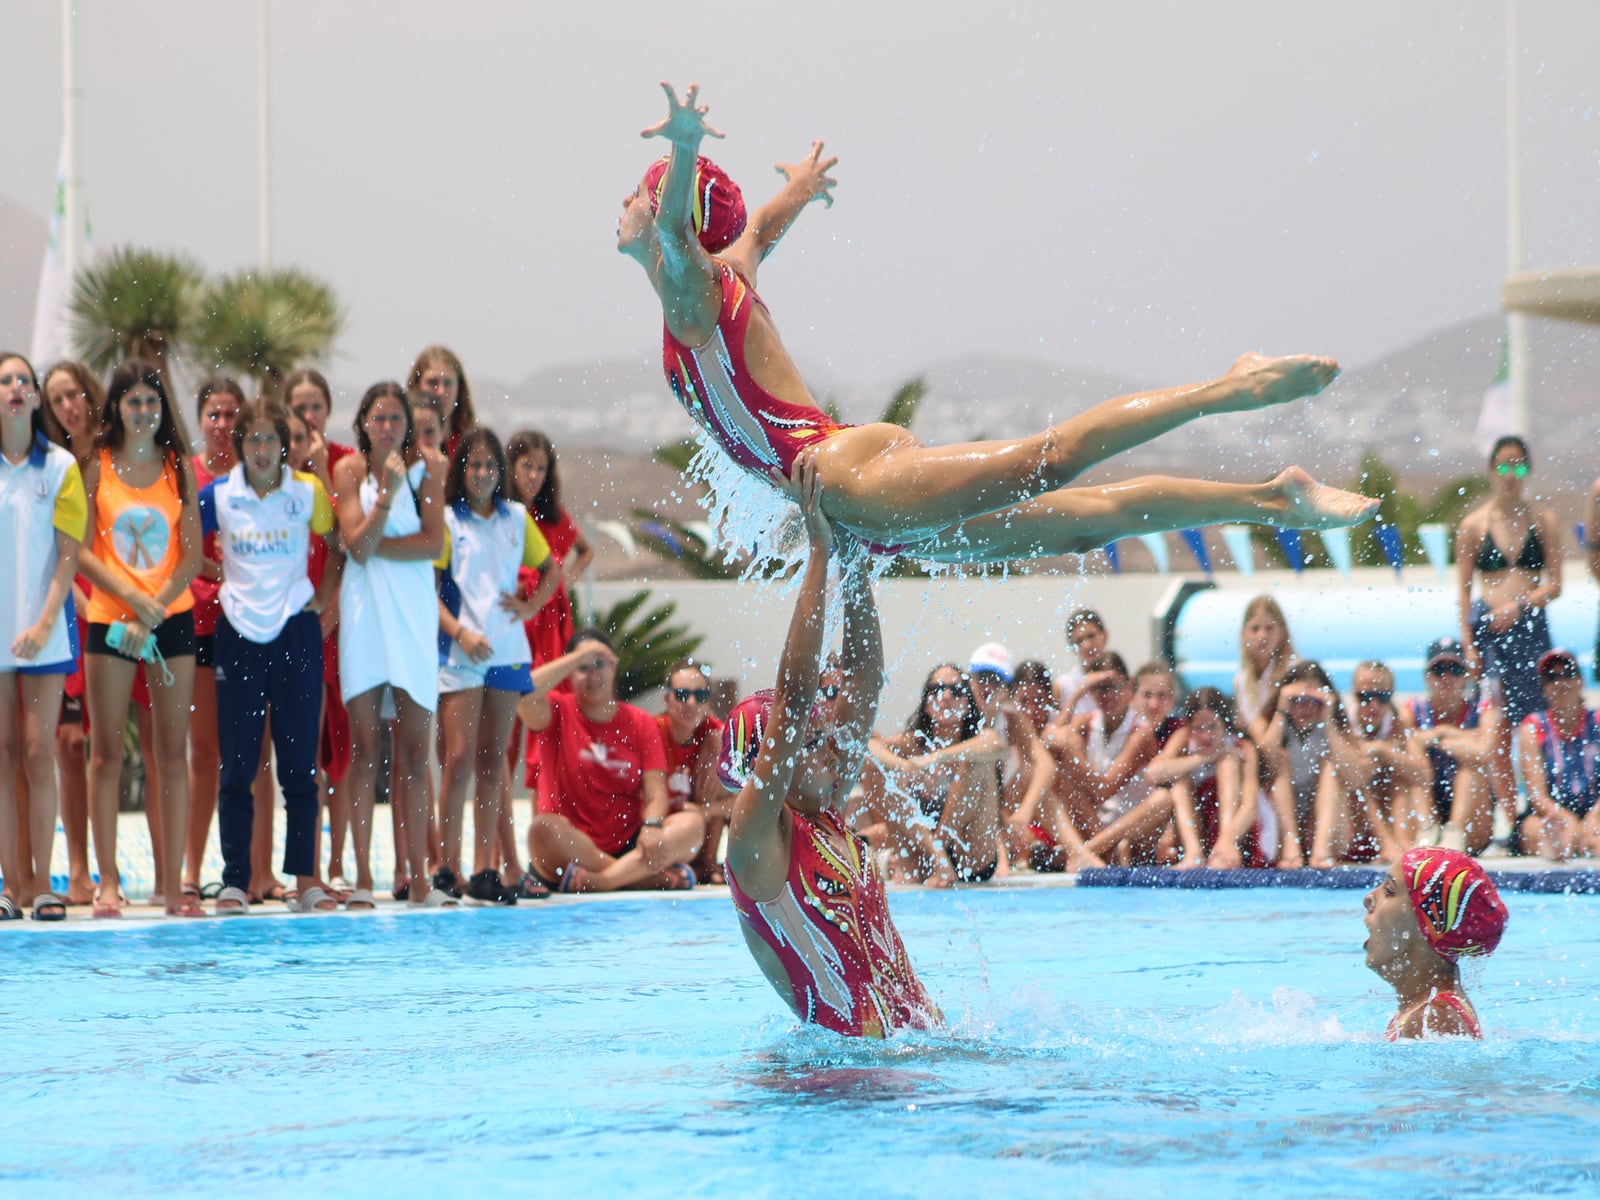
136, 536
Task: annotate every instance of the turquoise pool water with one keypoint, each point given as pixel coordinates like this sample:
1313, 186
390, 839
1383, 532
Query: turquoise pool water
1103, 1042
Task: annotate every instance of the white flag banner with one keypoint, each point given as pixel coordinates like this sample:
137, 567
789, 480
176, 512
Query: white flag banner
50, 309
1494, 418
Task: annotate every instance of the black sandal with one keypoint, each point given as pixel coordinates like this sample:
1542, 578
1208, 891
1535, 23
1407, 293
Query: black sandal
488, 887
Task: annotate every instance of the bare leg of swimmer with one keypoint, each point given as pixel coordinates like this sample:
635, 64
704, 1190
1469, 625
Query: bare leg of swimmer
884, 484
1078, 520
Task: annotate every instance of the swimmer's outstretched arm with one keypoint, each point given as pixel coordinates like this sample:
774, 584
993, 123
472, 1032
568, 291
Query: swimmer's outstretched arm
687, 281
755, 839
808, 180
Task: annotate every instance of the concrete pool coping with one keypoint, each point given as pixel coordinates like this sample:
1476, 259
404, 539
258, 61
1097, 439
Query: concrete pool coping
1510, 874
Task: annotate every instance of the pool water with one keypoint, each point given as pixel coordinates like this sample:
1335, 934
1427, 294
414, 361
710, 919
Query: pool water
1104, 1042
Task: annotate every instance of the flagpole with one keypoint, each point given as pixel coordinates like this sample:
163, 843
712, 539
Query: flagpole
263, 141
72, 184
1516, 323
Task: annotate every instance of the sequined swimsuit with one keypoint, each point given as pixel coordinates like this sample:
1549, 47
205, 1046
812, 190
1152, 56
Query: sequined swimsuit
830, 928
713, 382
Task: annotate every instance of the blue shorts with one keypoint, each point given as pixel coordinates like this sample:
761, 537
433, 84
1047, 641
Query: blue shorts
57, 668
1512, 657
513, 678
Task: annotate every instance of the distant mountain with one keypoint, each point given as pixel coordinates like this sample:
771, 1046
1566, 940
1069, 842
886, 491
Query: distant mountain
1418, 407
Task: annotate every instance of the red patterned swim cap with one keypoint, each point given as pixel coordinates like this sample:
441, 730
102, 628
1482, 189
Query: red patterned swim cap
742, 736
1458, 907
718, 208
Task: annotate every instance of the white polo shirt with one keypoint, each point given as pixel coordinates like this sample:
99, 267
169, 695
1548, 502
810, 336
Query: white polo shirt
39, 495
482, 556
266, 545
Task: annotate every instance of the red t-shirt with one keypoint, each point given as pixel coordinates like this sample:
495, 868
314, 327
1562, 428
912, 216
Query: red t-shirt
593, 774
681, 759
207, 601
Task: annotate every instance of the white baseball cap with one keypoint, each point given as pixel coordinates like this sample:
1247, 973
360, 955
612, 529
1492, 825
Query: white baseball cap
993, 658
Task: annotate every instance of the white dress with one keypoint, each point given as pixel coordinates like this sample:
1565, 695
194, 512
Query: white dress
389, 610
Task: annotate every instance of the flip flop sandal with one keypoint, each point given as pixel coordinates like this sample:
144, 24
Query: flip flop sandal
679, 878
360, 900
437, 898
101, 909
308, 900
573, 879
532, 888
47, 906
214, 890
238, 903
9, 910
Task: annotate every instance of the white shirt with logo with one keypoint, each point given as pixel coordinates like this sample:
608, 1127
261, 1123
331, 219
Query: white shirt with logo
482, 556
266, 546
39, 495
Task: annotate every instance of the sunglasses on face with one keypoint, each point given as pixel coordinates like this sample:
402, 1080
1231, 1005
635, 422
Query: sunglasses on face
945, 689
1447, 668
1518, 470
684, 695
1558, 673
1374, 697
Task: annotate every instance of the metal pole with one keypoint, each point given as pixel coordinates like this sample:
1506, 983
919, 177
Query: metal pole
72, 185
1516, 323
263, 140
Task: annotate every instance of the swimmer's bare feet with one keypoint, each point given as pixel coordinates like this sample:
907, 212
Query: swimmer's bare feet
1262, 381
1308, 504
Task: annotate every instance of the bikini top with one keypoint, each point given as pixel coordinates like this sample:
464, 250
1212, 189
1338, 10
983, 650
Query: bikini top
1490, 558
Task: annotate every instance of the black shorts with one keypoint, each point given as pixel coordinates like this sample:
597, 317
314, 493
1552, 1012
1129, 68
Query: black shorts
71, 710
205, 650
174, 638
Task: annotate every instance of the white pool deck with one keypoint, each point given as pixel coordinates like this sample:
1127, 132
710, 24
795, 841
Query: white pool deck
138, 878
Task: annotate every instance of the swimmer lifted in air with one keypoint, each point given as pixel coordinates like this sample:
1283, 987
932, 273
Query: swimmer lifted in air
975, 502
810, 898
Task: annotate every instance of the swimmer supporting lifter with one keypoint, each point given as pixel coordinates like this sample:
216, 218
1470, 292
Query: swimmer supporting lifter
811, 901
972, 502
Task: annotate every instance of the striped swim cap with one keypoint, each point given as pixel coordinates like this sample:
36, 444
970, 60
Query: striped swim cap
718, 208
1458, 907
743, 733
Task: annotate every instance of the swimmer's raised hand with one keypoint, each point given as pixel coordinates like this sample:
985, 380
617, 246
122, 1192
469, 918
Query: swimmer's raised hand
685, 123
811, 174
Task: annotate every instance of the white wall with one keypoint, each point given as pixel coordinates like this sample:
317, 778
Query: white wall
928, 621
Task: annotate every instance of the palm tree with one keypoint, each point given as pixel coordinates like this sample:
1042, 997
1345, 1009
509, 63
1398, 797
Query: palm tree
133, 302
265, 324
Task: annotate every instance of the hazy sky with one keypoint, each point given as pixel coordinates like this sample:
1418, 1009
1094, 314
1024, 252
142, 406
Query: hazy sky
1146, 187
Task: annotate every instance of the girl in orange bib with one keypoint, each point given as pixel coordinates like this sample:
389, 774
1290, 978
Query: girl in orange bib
142, 554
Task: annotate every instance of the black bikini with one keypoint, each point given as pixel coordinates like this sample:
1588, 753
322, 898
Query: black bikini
1490, 558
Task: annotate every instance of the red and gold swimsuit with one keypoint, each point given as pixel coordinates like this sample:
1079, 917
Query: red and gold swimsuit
830, 928
1448, 1000
713, 382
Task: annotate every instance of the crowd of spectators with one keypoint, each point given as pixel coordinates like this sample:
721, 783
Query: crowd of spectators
269, 601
